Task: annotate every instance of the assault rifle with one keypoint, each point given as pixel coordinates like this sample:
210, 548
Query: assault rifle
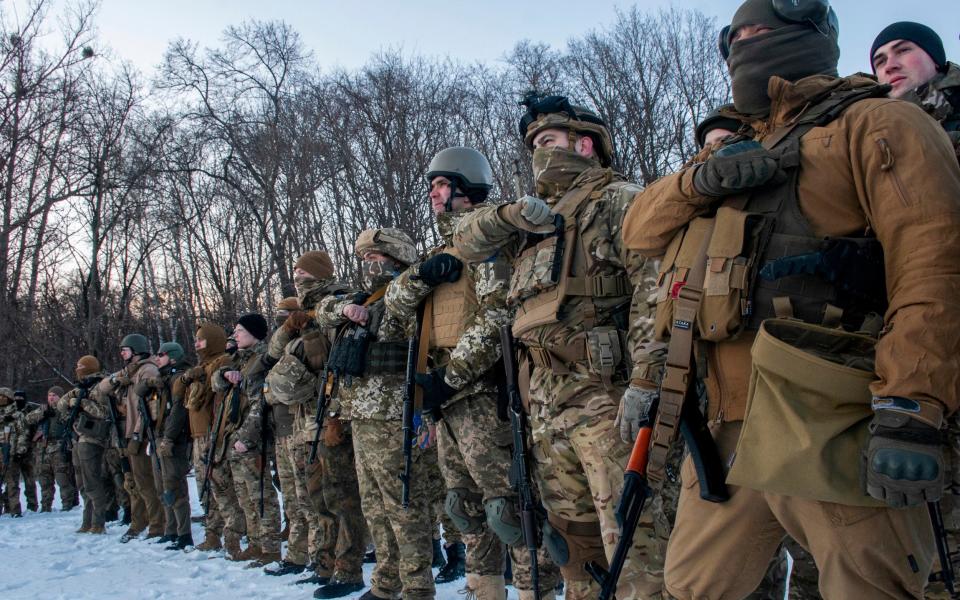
946, 573
636, 491
326, 389
409, 408
121, 437
212, 446
519, 473
149, 427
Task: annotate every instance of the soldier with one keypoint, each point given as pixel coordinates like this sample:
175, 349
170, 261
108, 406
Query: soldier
454, 566
88, 403
169, 420
123, 385
910, 58
370, 397
825, 180
203, 403
53, 459
13, 445
28, 462
583, 321
464, 308
284, 307
245, 433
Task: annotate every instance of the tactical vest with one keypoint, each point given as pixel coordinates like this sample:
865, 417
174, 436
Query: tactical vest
763, 258
357, 353
453, 306
383, 357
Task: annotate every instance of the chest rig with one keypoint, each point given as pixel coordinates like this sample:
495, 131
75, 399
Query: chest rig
452, 306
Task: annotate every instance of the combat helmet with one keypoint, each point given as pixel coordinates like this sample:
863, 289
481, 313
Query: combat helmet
136, 342
467, 169
549, 112
6, 396
387, 240
173, 350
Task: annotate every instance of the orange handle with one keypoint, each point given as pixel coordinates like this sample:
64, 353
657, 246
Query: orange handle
641, 447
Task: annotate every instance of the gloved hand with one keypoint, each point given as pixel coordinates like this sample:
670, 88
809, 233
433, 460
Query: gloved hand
528, 214
736, 168
194, 374
119, 379
296, 321
129, 484
435, 390
165, 448
635, 411
442, 268
904, 460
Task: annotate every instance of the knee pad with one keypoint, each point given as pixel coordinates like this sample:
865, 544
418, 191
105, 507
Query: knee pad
455, 506
571, 544
503, 519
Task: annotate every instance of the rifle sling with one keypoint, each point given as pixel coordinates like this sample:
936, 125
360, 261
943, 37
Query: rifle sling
676, 377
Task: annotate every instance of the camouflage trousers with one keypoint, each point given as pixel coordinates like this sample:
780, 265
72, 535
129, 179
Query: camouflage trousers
262, 531
11, 485
29, 473
438, 496
170, 479
341, 495
580, 460
301, 518
93, 483
54, 470
117, 496
323, 546
228, 505
213, 521
401, 536
147, 513
475, 457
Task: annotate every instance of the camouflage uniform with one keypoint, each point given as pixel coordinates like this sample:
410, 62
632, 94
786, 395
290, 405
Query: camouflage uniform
372, 404
28, 461
51, 464
247, 426
438, 496
474, 444
13, 440
577, 448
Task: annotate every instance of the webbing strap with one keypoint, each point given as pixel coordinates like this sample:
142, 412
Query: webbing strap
676, 377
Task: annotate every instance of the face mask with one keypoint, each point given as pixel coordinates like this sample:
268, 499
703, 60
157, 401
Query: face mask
377, 274
555, 169
309, 291
791, 52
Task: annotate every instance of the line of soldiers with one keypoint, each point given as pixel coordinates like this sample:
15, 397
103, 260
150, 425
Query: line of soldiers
786, 302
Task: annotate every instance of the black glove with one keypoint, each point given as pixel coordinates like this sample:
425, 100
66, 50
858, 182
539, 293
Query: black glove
49, 412
736, 168
435, 391
442, 268
904, 460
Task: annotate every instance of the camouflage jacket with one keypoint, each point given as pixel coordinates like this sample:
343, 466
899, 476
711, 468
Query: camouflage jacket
122, 386
940, 98
377, 395
478, 349
247, 425
49, 429
200, 395
483, 233
95, 404
13, 431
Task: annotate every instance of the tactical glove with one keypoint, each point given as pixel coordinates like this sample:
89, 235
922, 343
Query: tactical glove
120, 380
635, 411
736, 168
194, 374
165, 448
528, 214
904, 461
442, 268
435, 391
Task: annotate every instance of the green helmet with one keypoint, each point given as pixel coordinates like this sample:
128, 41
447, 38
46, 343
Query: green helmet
390, 241
136, 342
468, 166
6, 396
173, 350
556, 112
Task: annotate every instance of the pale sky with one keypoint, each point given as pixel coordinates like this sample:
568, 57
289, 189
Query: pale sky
346, 33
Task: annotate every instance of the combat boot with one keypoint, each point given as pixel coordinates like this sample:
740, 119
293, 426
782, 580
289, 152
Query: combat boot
210, 541
485, 587
165, 539
263, 559
286, 568
97, 530
232, 547
251, 553
528, 595
438, 561
83, 529
456, 564
129, 535
181, 543
338, 589
315, 579
369, 595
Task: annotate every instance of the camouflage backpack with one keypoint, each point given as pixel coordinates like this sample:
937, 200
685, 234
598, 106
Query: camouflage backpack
290, 382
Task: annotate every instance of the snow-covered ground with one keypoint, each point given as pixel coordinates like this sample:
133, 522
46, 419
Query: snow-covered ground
41, 557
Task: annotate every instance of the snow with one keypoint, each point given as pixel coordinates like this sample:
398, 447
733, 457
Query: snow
42, 557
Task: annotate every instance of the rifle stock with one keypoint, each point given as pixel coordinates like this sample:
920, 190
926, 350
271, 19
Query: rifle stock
121, 437
212, 446
326, 389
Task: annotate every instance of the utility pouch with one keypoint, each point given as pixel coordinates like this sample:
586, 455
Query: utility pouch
808, 410
290, 381
538, 269
349, 355
90, 426
605, 352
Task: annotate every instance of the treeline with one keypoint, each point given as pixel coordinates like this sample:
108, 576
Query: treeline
147, 205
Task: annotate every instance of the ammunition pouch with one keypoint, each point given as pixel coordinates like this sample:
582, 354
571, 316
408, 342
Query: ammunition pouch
808, 411
503, 519
601, 351
290, 382
98, 429
536, 270
349, 355
283, 419
456, 508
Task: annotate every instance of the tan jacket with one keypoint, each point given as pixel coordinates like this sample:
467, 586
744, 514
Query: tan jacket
882, 166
